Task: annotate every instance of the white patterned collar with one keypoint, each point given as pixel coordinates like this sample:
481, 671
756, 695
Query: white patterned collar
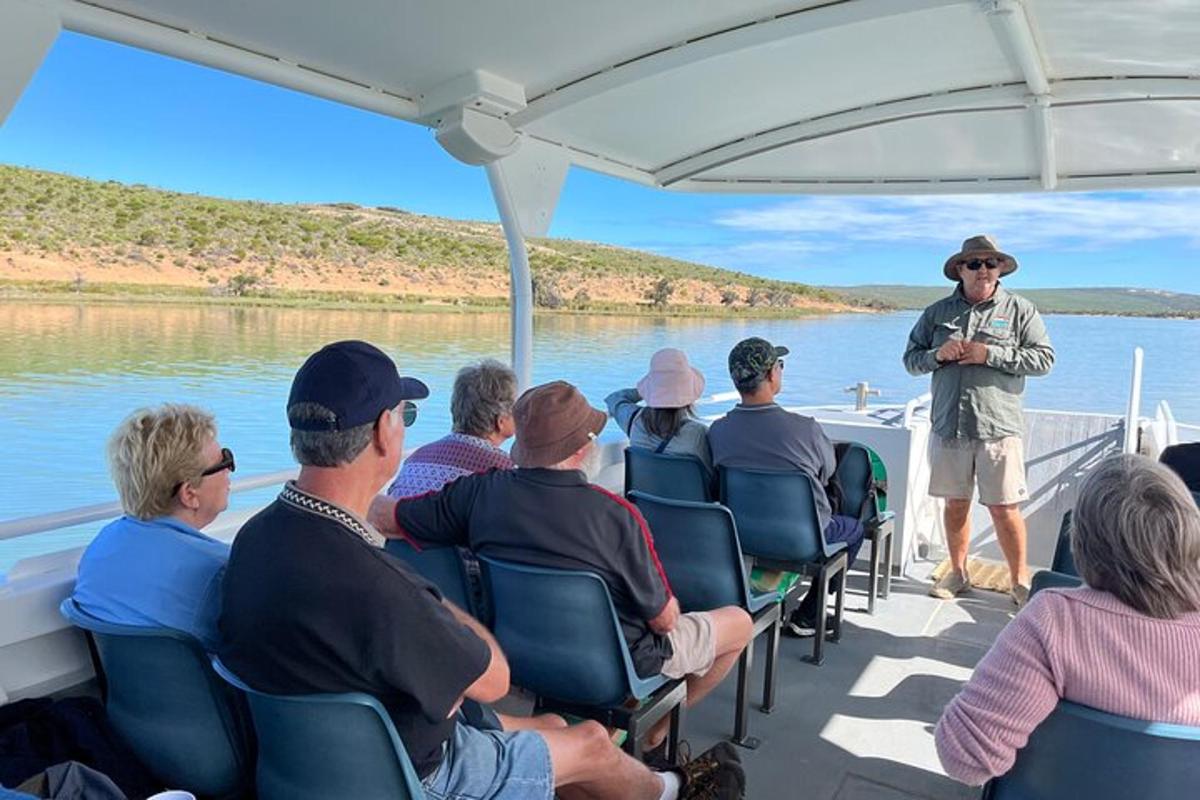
295, 496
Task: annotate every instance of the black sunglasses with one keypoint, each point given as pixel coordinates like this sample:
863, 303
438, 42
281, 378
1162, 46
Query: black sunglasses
975, 264
226, 463
410, 413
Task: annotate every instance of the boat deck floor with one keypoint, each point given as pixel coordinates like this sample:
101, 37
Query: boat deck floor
860, 727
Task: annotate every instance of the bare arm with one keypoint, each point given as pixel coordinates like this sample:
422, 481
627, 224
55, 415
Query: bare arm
664, 623
493, 684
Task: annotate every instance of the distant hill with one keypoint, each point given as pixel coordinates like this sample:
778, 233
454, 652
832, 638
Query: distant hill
61, 233
1098, 300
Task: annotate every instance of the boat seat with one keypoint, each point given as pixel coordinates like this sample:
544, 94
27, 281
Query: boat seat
1081, 752
320, 746
564, 643
698, 546
856, 479
678, 477
188, 727
777, 525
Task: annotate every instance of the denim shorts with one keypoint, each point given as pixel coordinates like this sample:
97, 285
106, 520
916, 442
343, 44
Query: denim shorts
482, 765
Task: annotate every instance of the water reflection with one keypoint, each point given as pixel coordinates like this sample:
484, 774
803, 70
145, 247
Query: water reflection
69, 373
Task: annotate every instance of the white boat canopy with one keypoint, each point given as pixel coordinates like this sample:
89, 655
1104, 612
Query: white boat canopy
823, 96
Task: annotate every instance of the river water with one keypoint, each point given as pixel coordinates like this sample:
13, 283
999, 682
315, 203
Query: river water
70, 373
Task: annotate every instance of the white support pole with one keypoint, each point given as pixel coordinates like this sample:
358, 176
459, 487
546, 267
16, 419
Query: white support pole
1133, 411
26, 35
521, 282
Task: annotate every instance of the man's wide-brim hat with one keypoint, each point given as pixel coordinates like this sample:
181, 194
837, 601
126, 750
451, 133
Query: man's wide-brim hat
671, 382
553, 421
979, 247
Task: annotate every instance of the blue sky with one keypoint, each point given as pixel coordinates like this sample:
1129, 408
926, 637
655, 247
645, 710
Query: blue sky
105, 111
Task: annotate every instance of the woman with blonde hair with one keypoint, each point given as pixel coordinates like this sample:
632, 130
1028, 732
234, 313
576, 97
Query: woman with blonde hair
1127, 642
153, 566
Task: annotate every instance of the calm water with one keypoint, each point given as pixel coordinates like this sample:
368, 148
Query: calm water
69, 374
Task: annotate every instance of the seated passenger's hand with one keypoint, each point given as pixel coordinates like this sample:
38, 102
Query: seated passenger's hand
664, 623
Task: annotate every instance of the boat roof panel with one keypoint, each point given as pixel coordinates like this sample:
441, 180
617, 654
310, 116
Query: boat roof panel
948, 146
705, 95
728, 96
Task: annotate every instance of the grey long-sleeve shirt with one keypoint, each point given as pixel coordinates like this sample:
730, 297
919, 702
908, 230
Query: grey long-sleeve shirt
980, 401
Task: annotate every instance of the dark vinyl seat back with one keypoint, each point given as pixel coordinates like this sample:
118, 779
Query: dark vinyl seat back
441, 566
314, 747
1048, 579
775, 512
187, 726
1081, 752
678, 477
1063, 561
856, 477
561, 635
698, 546
1184, 459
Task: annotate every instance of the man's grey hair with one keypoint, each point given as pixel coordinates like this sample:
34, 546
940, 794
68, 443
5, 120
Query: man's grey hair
325, 448
1136, 534
482, 393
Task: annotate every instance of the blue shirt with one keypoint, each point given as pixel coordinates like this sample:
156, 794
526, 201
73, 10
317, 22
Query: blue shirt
156, 573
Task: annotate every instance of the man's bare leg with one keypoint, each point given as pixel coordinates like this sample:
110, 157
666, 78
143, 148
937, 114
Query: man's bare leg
541, 722
1010, 533
732, 629
588, 765
957, 519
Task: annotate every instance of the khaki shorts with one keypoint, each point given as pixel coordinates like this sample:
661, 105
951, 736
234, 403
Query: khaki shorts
694, 646
997, 465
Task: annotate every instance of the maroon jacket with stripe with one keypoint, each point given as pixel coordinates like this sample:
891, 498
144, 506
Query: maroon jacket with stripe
554, 518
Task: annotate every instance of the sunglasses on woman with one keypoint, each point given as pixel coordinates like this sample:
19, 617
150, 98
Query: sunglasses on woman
226, 463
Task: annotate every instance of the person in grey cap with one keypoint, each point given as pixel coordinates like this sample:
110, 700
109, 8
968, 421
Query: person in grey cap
980, 343
758, 433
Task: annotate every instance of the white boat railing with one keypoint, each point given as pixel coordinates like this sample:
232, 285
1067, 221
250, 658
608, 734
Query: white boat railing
57, 520
1133, 411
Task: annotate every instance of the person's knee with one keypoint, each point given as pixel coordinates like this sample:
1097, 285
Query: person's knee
1004, 510
551, 721
593, 739
733, 627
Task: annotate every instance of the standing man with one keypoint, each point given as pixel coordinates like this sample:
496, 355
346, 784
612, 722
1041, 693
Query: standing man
980, 343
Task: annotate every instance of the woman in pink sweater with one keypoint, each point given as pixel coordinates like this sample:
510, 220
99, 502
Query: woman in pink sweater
1127, 643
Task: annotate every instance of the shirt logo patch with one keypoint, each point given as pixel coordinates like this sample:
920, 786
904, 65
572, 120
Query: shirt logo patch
999, 322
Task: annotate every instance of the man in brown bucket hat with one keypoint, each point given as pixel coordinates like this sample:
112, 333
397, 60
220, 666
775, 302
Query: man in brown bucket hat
546, 513
979, 343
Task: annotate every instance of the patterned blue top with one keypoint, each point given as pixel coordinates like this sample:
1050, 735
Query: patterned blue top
158, 573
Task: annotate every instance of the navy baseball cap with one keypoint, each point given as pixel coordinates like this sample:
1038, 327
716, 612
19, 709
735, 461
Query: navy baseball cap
355, 380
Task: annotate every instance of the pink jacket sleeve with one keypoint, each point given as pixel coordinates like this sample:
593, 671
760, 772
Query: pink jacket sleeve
1014, 688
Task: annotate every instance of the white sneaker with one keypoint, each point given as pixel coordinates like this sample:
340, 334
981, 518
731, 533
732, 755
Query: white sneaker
1019, 594
950, 585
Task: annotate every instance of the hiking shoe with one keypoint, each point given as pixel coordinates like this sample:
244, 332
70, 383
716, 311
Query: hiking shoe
803, 627
716, 774
1019, 594
950, 585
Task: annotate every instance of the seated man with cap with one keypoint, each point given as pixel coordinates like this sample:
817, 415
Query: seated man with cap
546, 513
758, 433
313, 604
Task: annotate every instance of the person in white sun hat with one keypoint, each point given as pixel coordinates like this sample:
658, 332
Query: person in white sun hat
980, 342
666, 423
